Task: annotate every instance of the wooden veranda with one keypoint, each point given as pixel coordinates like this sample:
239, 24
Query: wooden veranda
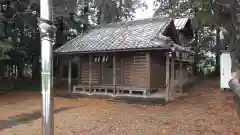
141, 75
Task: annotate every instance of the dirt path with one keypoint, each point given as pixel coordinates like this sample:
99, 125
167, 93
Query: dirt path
204, 111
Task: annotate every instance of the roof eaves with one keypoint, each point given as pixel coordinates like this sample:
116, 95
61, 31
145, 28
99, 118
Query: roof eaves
112, 51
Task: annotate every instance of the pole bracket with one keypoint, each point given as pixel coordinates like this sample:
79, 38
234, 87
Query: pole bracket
47, 26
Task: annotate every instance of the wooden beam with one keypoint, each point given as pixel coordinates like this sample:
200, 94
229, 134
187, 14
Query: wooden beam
180, 73
122, 71
69, 75
79, 70
114, 74
148, 70
90, 72
167, 76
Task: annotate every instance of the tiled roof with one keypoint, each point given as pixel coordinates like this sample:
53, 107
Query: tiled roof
117, 37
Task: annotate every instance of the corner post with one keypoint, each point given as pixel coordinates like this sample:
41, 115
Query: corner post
114, 74
167, 76
148, 65
172, 89
69, 75
60, 69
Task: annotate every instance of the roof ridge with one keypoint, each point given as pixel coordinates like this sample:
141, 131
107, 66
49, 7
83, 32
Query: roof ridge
132, 22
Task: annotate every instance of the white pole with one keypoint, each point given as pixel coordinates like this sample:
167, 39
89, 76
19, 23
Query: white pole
46, 60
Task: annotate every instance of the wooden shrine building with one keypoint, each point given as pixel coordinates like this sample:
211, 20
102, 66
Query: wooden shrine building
139, 58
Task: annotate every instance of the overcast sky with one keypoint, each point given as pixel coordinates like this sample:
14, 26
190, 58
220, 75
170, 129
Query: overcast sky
140, 14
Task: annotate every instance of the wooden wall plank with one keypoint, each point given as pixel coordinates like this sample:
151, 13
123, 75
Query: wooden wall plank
108, 72
84, 70
114, 74
139, 70
127, 71
96, 73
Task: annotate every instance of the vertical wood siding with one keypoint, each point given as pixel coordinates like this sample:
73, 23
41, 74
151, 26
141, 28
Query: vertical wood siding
108, 71
95, 73
183, 40
139, 70
127, 71
84, 70
158, 70
118, 71
131, 70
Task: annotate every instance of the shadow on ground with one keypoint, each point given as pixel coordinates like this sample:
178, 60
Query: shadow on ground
140, 101
25, 118
127, 100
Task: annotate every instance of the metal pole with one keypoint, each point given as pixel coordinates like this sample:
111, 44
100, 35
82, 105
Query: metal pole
46, 61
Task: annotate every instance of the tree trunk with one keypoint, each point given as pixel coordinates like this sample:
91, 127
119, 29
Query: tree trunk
217, 66
196, 56
1, 70
85, 12
234, 31
118, 18
20, 70
36, 69
60, 34
99, 17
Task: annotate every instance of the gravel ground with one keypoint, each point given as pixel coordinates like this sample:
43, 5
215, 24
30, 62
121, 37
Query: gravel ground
203, 111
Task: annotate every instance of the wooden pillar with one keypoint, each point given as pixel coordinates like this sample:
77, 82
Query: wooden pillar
69, 75
172, 89
167, 76
180, 73
79, 70
114, 74
148, 65
101, 72
122, 71
90, 73
57, 71
60, 69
